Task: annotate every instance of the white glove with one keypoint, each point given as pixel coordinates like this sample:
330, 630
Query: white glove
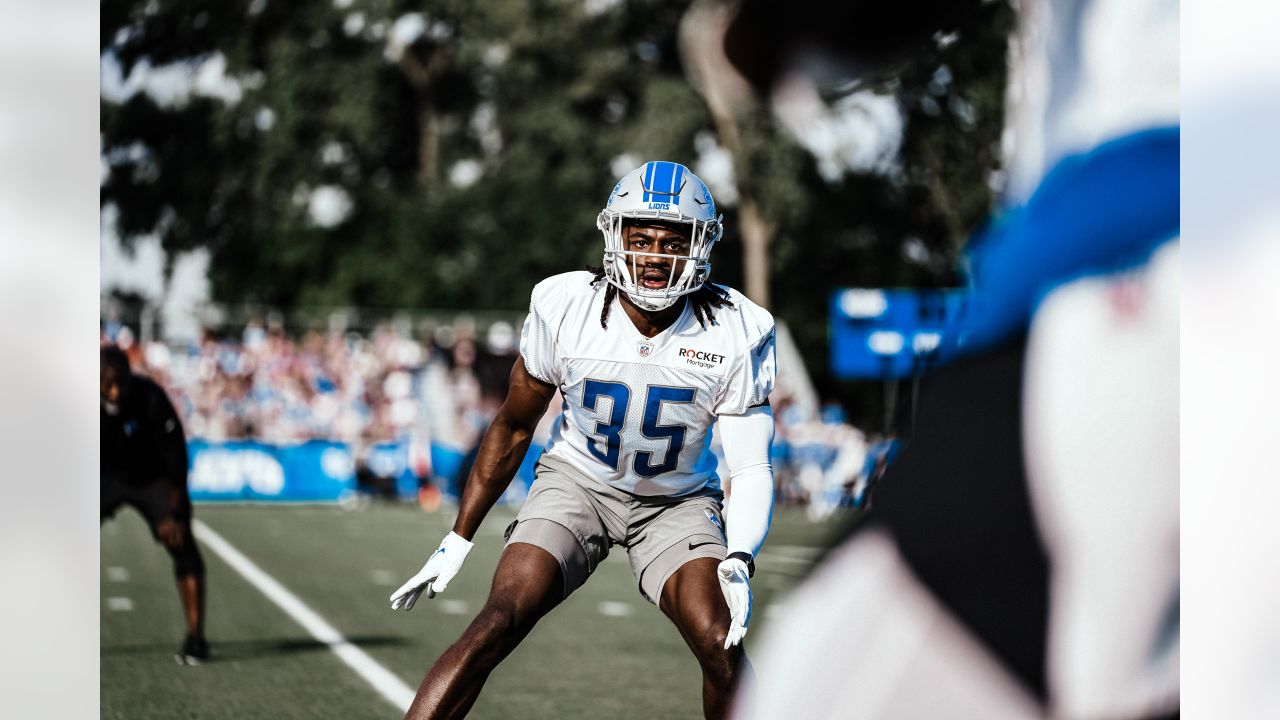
735, 584
436, 574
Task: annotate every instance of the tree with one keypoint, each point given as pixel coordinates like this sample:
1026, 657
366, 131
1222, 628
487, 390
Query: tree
380, 153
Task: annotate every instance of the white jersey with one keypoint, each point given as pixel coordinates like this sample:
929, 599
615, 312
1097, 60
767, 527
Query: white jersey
638, 411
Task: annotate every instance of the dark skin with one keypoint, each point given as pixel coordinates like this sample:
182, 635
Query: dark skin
653, 271
528, 582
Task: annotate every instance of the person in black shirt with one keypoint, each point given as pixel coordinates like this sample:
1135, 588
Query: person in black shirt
144, 464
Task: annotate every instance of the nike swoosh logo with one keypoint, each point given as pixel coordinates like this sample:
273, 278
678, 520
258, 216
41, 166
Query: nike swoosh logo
699, 201
698, 545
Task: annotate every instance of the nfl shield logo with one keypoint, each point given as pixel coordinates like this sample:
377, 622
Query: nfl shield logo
644, 349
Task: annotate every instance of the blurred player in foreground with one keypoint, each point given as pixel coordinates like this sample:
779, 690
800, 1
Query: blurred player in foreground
144, 464
648, 355
1021, 560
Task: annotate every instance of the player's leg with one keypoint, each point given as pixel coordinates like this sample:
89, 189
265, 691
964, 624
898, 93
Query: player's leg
188, 568
195, 648
188, 572
173, 531
545, 560
528, 583
691, 597
674, 558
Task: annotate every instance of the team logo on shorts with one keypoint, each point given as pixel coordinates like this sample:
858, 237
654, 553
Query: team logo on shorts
644, 348
712, 517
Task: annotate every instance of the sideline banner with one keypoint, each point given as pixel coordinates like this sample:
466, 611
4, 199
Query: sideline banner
314, 471
325, 471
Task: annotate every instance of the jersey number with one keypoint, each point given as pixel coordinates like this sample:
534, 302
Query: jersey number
620, 396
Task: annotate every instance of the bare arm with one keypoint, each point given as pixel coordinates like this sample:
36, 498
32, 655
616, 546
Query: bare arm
503, 447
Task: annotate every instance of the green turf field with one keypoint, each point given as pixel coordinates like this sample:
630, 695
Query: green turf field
604, 653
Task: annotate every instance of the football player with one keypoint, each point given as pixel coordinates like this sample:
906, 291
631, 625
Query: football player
648, 356
1022, 557
144, 464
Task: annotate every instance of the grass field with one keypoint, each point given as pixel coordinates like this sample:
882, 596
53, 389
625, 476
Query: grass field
604, 653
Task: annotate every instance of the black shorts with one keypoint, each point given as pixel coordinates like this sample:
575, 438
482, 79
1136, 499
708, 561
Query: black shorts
150, 499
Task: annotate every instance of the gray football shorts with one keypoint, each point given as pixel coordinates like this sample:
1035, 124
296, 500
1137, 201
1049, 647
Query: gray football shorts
577, 519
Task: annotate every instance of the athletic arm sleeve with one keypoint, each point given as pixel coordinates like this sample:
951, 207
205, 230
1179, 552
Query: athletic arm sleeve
538, 344
746, 439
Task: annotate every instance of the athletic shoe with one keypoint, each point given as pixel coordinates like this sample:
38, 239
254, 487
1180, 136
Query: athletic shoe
194, 651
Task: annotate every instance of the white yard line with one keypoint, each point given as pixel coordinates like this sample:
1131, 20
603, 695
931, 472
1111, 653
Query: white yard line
613, 608
453, 607
383, 680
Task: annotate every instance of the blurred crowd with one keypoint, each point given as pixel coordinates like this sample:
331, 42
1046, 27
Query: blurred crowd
383, 386
823, 461
441, 385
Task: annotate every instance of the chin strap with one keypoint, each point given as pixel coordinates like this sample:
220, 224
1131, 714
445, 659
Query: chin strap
648, 305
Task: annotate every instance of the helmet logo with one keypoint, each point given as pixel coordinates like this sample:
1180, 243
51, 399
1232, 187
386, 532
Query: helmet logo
663, 182
615, 193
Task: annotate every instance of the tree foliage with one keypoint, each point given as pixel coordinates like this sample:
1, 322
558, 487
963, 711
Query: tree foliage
474, 159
